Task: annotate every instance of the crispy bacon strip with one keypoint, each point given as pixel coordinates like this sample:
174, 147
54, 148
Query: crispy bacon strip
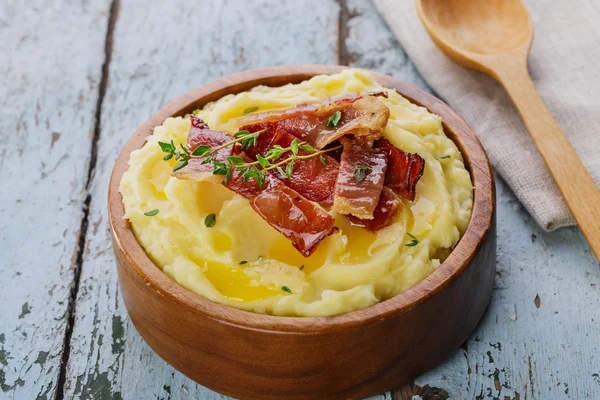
201, 134
298, 219
387, 208
306, 108
312, 178
361, 115
357, 195
301, 221
295, 217
404, 169
264, 141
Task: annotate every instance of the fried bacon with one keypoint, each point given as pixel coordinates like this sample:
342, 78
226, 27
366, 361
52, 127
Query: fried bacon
365, 184
361, 115
312, 178
264, 141
301, 221
404, 169
360, 180
387, 208
201, 135
298, 219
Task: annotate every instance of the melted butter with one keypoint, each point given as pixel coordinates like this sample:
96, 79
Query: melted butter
283, 251
222, 242
234, 284
359, 241
159, 177
213, 203
159, 194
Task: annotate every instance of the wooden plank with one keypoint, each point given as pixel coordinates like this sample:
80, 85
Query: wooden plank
369, 44
49, 78
150, 65
539, 338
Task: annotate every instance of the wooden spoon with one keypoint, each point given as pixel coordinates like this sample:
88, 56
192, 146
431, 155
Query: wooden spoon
495, 36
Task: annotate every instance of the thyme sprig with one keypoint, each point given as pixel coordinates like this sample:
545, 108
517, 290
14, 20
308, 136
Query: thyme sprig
256, 169
245, 138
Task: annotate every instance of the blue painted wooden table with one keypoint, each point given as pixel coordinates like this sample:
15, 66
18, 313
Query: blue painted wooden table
76, 79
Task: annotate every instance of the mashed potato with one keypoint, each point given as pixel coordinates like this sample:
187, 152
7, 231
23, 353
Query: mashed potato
244, 263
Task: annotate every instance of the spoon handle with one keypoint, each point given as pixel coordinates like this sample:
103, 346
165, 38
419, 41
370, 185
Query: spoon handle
573, 180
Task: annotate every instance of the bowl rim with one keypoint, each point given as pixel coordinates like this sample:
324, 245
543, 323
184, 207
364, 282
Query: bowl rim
455, 127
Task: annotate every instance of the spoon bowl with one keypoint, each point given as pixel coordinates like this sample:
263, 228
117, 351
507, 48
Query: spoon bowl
472, 32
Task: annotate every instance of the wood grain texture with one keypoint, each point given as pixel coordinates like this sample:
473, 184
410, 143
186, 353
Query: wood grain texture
545, 352
253, 356
539, 338
371, 45
49, 77
495, 38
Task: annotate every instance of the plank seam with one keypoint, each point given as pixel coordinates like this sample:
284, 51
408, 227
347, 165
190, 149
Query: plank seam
81, 240
343, 56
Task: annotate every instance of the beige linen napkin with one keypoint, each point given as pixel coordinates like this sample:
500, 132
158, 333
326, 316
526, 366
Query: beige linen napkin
564, 64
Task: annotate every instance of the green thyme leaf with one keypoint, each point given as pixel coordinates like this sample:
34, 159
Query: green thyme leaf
201, 151
180, 165
262, 161
241, 133
301, 267
227, 176
361, 172
220, 168
243, 262
185, 150
248, 141
442, 157
413, 242
251, 173
323, 161
168, 157
250, 110
151, 213
166, 147
210, 220
294, 146
281, 171
334, 120
235, 160
289, 169
196, 111
260, 179
275, 152
308, 147
286, 289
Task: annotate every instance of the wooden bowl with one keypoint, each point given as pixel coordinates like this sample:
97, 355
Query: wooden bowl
353, 355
